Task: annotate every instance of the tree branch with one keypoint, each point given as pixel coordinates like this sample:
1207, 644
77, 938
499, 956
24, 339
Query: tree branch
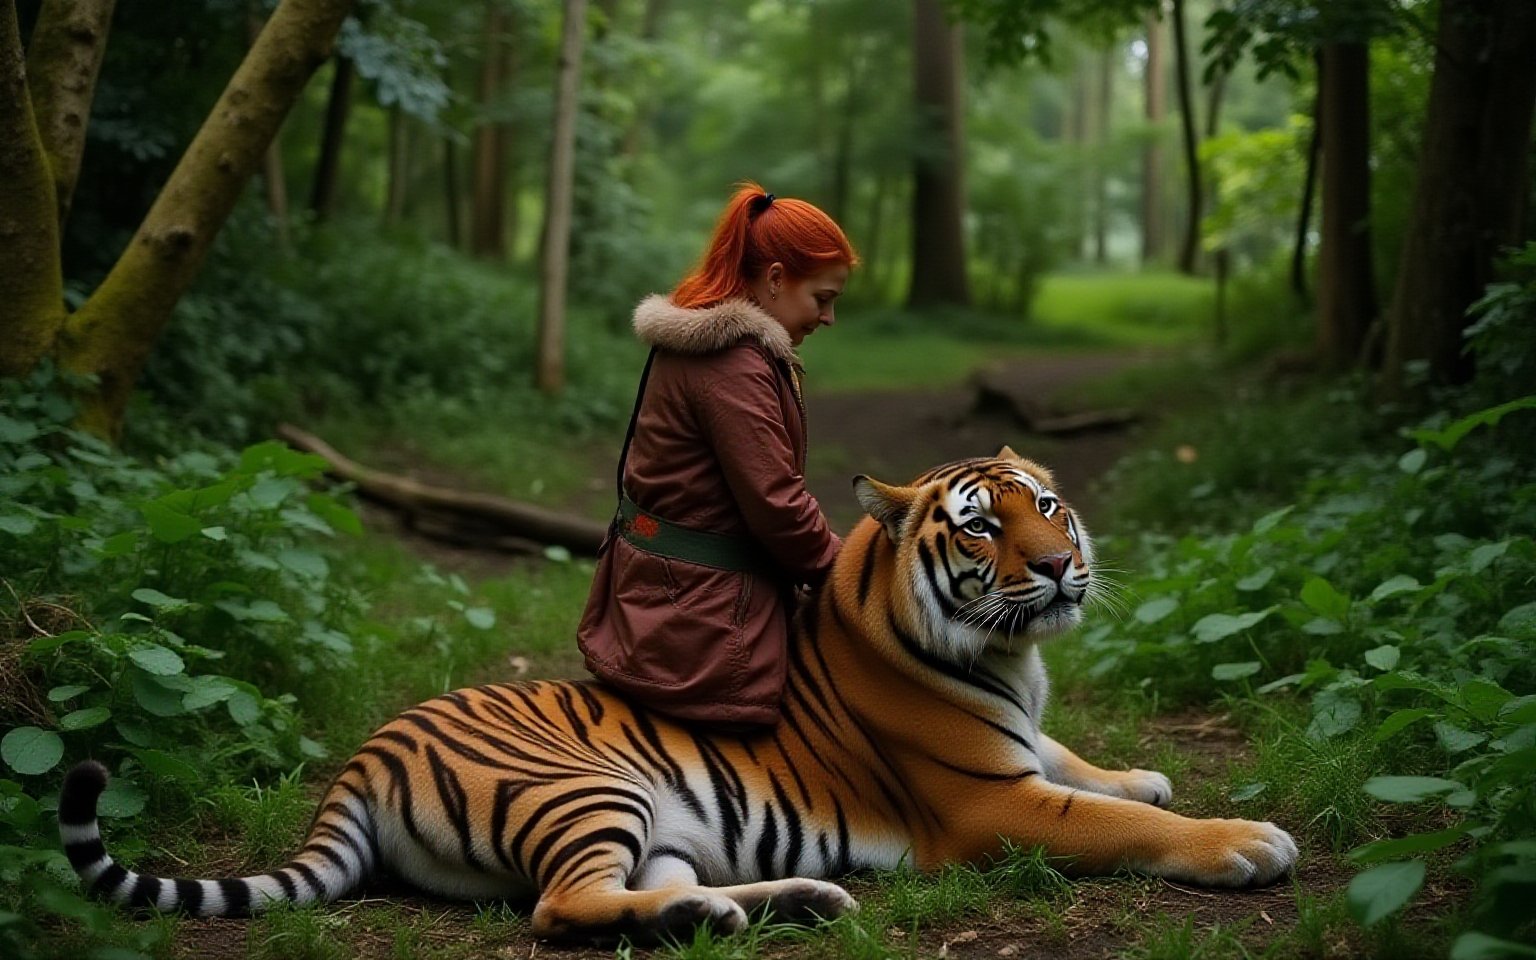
63, 60
111, 335
31, 277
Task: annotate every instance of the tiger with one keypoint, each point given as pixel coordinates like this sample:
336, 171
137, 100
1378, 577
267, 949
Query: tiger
910, 735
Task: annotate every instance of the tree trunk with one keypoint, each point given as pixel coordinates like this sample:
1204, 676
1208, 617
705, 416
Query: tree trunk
1308, 188
272, 177
938, 185
322, 198
1189, 250
557, 210
451, 198
63, 60
487, 215
399, 167
1156, 102
1472, 185
1346, 296
31, 275
1221, 257
874, 250
111, 335
1101, 162
842, 159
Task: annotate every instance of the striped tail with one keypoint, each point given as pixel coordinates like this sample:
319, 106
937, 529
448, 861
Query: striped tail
338, 855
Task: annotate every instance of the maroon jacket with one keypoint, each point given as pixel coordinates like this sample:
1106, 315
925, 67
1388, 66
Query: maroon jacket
719, 446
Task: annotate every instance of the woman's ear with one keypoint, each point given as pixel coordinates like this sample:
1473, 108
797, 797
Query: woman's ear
775, 275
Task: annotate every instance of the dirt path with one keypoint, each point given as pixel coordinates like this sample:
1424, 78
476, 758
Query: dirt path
894, 435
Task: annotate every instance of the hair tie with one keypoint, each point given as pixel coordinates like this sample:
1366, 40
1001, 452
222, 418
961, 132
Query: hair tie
759, 204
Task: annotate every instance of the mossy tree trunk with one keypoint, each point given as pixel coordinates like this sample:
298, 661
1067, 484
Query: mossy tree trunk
31, 276
110, 336
63, 61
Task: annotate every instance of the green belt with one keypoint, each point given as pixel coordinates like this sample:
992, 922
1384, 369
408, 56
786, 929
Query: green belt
650, 533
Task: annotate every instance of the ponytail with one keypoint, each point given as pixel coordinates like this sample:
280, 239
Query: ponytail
754, 231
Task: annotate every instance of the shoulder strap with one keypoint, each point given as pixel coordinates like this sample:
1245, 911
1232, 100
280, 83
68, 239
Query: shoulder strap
629, 435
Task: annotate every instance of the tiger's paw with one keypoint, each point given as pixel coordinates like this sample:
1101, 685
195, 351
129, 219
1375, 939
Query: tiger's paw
806, 901
681, 915
1146, 786
1231, 853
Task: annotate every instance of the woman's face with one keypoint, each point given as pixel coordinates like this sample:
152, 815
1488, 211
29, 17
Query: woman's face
801, 305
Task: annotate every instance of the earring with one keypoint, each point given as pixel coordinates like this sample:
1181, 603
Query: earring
773, 294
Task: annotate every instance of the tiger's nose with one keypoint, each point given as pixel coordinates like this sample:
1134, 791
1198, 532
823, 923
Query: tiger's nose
1054, 566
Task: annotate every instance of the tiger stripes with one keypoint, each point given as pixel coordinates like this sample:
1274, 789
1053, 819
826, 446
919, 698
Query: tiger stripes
910, 733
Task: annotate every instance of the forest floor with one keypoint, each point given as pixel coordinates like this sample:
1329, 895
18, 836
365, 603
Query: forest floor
893, 435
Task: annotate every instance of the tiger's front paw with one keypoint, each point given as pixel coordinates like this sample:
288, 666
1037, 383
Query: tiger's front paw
1145, 786
1230, 853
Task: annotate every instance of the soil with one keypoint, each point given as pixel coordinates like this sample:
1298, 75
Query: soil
892, 435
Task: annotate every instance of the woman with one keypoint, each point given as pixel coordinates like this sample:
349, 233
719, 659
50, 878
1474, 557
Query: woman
689, 610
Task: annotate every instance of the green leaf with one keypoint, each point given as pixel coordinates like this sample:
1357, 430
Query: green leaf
1447, 437
16, 431
155, 697
1235, 671
260, 611
1285, 681
1412, 461
85, 719
1257, 580
1520, 623
122, 798
1384, 657
164, 765
1333, 714
66, 692
1454, 739
1269, 521
158, 660
1409, 789
1392, 586
243, 708
306, 563
1219, 626
215, 533
1480, 946
119, 545
207, 691
1483, 698
558, 554
1156, 609
1399, 721
339, 517
481, 618
1485, 555
1247, 792
31, 751
1380, 891
168, 525
158, 600
1320, 596
19, 524
1402, 846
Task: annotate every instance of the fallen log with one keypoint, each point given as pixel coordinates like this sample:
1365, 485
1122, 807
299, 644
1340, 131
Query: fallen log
459, 516
993, 396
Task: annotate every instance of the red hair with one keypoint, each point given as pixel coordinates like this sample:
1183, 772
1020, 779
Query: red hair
751, 235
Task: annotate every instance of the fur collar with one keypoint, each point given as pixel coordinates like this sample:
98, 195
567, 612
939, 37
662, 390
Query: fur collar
661, 323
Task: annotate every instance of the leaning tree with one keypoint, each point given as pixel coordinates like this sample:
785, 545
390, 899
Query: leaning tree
45, 99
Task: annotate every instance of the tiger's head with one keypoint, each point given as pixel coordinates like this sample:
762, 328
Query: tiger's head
987, 553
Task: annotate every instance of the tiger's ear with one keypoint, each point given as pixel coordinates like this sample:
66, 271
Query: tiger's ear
885, 503
1007, 454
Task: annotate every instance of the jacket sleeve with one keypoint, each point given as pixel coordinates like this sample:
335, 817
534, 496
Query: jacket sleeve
741, 416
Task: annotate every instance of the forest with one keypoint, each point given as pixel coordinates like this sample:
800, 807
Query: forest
316, 359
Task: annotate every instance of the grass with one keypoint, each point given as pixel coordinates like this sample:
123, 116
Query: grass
1124, 309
